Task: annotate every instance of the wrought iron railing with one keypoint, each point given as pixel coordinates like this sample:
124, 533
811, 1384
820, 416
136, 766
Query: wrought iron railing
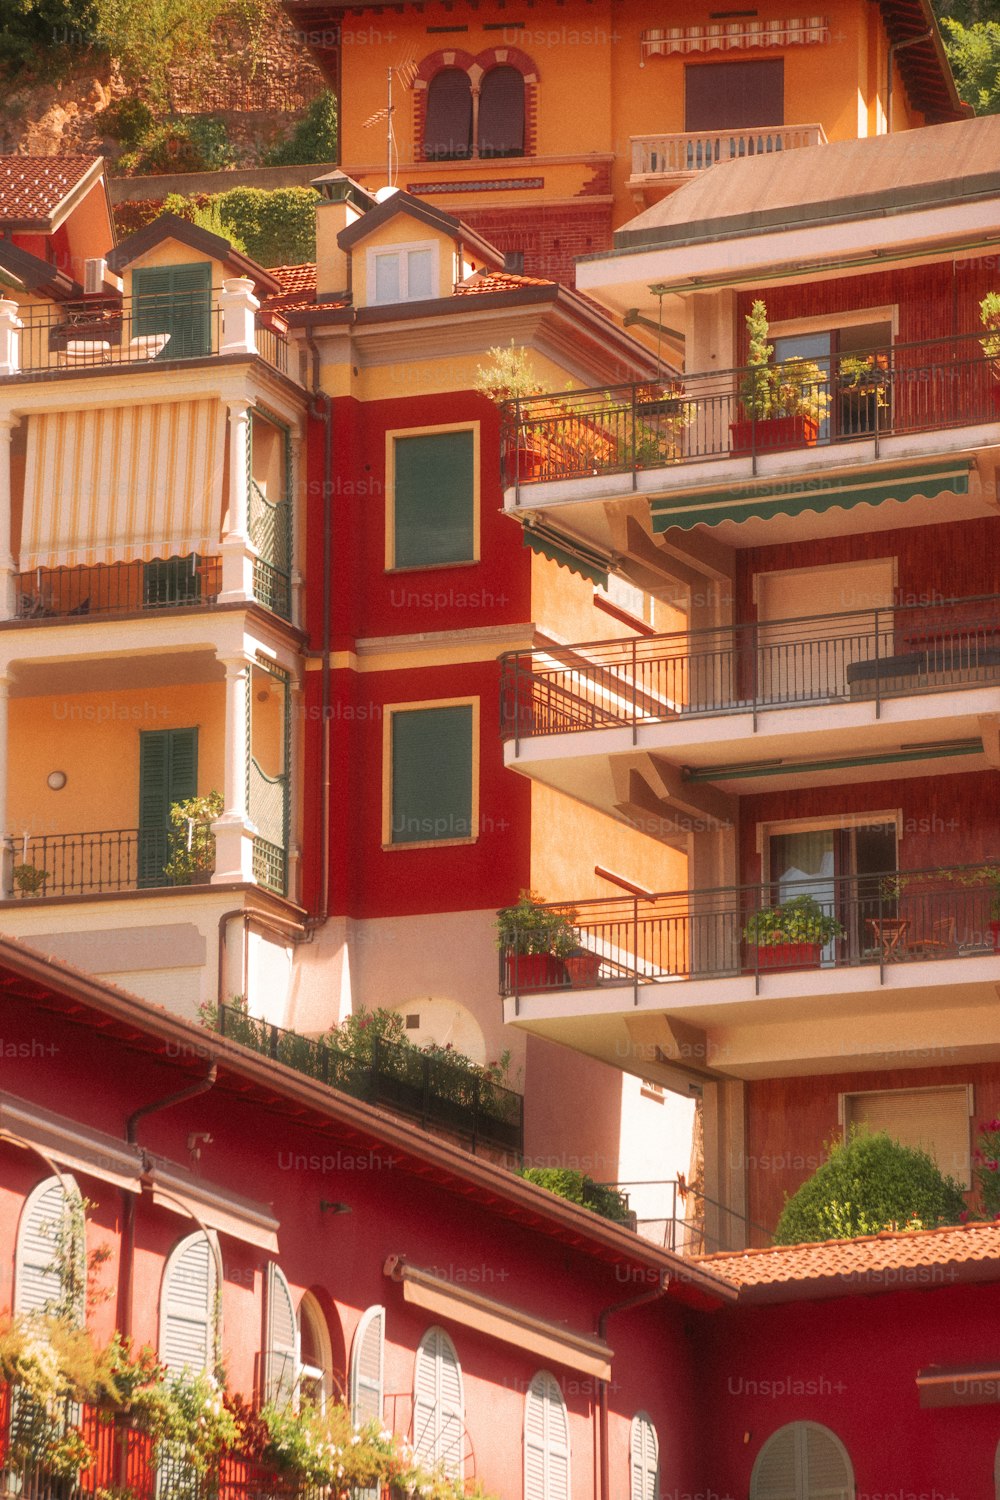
122, 587
134, 331
868, 654
909, 388
403, 1079
84, 864
270, 524
878, 919
692, 1222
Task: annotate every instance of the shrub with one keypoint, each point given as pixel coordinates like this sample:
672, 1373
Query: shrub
577, 1187
867, 1184
274, 228
196, 143
314, 139
129, 121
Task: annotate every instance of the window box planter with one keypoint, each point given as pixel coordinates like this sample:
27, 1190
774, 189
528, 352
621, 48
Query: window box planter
535, 971
772, 435
787, 956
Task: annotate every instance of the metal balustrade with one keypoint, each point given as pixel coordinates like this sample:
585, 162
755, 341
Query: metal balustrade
878, 919
118, 588
869, 654
84, 864
917, 387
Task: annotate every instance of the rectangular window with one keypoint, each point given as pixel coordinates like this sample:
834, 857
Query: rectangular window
734, 95
430, 793
407, 274
177, 301
936, 1120
433, 499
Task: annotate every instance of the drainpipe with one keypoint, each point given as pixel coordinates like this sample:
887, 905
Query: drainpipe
604, 1461
190, 1091
895, 47
322, 410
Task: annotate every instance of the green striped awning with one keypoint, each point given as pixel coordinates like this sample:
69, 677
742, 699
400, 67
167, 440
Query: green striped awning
568, 553
774, 497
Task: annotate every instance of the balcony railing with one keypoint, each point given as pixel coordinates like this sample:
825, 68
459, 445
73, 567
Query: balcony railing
693, 151
118, 588
85, 864
869, 654
403, 1079
879, 919
911, 388
110, 332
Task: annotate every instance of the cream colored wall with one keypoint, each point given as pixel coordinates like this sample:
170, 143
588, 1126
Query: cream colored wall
268, 450
655, 1145
94, 738
402, 230
562, 603
172, 253
569, 839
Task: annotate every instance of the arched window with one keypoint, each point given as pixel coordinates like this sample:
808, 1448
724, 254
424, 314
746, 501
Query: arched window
438, 1405
50, 1256
448, 121
315, 1353
546, 1441
188, 1337
368, 1367
644, 1459
802, 1461
281, 1355
501, 113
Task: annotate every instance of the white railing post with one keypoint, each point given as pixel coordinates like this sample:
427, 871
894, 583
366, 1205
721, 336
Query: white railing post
237, 556
239, 310
8, 568
10, 338
233, 839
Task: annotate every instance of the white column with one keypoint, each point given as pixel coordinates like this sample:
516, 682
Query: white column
233, 842
6, 863
239, 309
8, 605
10, 338
237, 558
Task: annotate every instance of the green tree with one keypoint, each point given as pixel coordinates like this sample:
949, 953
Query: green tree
49, 33
274, 228
314, 139
974, 53
867, 1184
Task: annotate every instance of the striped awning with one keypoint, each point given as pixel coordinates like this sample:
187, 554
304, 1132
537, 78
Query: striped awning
123, 483
774, 497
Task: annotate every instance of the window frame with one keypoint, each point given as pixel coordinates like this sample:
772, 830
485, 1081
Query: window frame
540, 1388
310, 1310
641, 1420
844, 1110
401, 251
389, 711
391, 436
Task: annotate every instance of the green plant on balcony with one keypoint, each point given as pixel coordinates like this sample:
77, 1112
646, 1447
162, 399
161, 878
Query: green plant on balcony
801, 920
509, 376
985, 876
797, 388
190, 839
533, 927
30, 880
989, 315
862, 379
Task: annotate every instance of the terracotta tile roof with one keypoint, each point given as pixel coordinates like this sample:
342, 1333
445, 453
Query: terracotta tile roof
496, 281
32, 187
876, 1263
298, 287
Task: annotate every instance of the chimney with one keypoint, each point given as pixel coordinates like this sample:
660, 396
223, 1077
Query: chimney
342, 202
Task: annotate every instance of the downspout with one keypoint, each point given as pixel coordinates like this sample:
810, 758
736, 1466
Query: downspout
322, 410
895, 47
604, 1459
190, 1091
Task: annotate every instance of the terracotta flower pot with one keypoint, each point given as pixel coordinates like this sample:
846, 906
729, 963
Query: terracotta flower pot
583, 970
534, 971
772, 435
788, 956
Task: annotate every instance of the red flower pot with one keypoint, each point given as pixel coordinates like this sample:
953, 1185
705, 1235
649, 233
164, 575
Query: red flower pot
995, 929
772, 435
583, 969
788, 956
534, 971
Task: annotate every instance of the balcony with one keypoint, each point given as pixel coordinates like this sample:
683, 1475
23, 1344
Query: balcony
118, 588
403, 1079
862, 694
742, 982
683, 434
662, 162
111, 334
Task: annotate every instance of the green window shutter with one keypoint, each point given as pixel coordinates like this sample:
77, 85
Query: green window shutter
175, 300
171, 580
432, 755
434, 499
168, 773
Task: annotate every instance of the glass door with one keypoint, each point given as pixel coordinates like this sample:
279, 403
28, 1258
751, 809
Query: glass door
843, 870
817, 349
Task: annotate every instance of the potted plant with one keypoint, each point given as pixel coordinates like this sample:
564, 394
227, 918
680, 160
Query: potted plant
191, 840
582, 968
510, 377
792, 935
661, 414
781, 406
861, 390
989, 314
29, 880
535, 940
988, 875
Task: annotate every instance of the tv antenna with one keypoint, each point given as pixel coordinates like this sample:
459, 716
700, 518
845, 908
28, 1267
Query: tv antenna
405, 72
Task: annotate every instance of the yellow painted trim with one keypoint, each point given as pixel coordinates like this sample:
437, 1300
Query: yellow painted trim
389, 710
390, 491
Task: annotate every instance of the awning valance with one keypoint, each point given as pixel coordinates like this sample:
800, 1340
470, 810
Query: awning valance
568, 553
69, 1144
214, 1207
123, 483
773, 497
549, 1341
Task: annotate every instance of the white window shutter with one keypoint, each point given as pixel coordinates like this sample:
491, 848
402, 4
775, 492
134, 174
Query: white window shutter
187, 1306
802, 1461
368, 1368
827, 1466
281, 1363
438, 1405
644, 1456
39, 1280
546, 1441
